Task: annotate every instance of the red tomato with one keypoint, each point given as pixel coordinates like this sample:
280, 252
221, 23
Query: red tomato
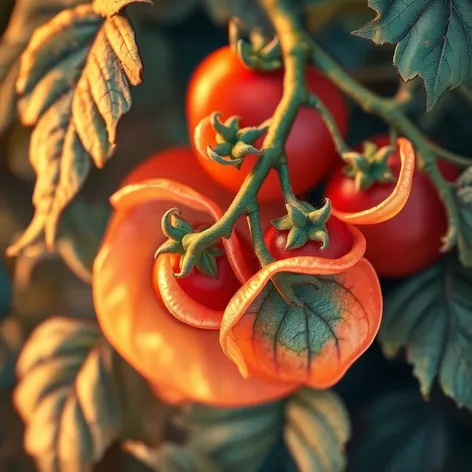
221, 83
214, 293
411, 240
340, 242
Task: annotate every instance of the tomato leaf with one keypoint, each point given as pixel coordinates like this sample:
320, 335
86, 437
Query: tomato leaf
399, 429
464, 202
312, 335
27, 15
77, 397
238, 438
433, 37
429, 314
74, 85
11, 341
112, 7
80, 235
316, 431
170, 457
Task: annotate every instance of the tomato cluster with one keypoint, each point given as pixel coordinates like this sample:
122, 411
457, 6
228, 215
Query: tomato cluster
194, 308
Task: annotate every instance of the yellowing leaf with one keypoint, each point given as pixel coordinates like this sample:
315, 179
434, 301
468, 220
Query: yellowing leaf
74, 86
317, 429
66, 396
111, 7
27, 15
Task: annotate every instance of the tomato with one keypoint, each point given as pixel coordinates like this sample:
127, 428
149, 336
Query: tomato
221, 83
340, 242
182, 363
411, 240
214, 293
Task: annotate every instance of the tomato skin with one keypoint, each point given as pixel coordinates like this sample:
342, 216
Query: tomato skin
410, 241
214, 293
221, 83
340, 242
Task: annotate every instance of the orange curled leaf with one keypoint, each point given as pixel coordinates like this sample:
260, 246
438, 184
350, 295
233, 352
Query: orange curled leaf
164, 189
395, 202
199, 136
314, 343
181, 305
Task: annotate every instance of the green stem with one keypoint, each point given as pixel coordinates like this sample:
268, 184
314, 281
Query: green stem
391, 112
314, 102
284, 178
295, 54
260, 247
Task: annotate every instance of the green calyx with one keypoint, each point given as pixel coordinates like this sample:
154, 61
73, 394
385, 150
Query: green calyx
177, 230
233, 142
305, 223
258, 53
369, 167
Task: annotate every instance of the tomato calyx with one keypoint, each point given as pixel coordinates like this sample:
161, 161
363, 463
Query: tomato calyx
176, 229
370, 166
233, 143
258, 53
304, 223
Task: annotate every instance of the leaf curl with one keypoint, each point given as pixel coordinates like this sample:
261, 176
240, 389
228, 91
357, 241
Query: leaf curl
313, 341
74, 86
112, 7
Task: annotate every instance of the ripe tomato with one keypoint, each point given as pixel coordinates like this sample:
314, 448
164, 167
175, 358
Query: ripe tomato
340, 242
411, 240
182, 363
221, 83
214, 293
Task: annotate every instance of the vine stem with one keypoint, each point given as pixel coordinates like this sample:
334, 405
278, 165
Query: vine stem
295, 55
391, 112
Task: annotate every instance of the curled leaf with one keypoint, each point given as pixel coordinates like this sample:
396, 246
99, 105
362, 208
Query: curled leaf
112, 7
162, 189
315, 340
181, 305
133, 319
74, 86
395, 202
316, 431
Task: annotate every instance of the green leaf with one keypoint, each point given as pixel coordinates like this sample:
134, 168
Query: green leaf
170, 458
112, 7
464, 203
77, 397
297, 237
236, 439
80, 236
316, 431
398, 431
433, 37
11, 341
74, 85
27, 15
66, 396
430, 314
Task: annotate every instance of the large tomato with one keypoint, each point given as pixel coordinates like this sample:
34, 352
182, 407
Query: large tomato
182, 362
221, 83
411, 240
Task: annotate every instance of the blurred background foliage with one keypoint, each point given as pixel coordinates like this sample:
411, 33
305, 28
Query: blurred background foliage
394, 429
